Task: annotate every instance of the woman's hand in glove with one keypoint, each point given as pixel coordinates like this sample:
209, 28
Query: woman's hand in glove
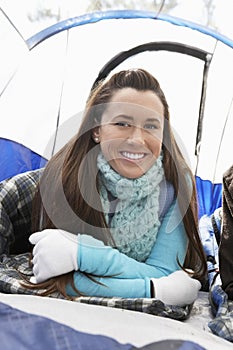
176, 289
55, 253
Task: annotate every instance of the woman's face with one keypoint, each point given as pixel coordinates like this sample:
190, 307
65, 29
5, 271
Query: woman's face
131, 131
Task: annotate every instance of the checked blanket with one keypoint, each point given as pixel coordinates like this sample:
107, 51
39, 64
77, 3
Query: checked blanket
14, 267
222, 308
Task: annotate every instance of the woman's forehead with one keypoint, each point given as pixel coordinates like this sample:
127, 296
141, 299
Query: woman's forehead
131, 95
127, 97
133, 111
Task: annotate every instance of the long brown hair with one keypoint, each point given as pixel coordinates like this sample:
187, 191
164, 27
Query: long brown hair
67, 195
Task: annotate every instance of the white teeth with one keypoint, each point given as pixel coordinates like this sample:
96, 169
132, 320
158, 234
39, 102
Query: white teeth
134, 156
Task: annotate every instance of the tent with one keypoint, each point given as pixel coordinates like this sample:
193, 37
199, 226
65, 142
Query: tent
46, 80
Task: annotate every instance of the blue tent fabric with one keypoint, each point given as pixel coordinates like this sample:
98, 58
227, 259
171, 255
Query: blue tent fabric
16, 158
24, 331
209, 196
124, 14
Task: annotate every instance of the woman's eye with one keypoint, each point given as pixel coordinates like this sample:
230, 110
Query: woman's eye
123, 124
151, 126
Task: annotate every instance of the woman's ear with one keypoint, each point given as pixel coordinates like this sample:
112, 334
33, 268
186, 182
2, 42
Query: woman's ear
96, 135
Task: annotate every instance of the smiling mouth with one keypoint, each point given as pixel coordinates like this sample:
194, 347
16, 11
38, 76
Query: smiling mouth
133, 156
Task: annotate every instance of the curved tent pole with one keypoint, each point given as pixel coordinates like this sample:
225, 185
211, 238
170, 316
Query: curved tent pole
202, 108
152, 46
95, 17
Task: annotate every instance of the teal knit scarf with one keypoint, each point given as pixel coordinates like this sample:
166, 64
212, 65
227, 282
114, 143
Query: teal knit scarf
134, 207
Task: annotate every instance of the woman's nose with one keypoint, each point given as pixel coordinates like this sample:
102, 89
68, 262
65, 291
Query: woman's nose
137, 135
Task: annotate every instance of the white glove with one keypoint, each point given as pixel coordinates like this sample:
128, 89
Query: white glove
176, 289
55, 253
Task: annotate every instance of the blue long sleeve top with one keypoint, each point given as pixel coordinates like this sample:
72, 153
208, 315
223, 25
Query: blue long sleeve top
123, 276
118, 275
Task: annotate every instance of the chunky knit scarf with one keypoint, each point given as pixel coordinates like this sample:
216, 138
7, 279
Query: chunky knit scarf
131, 207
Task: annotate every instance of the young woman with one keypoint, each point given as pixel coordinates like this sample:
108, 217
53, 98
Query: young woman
115, 211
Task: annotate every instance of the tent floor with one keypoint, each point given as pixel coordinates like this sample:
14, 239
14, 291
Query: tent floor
125, 326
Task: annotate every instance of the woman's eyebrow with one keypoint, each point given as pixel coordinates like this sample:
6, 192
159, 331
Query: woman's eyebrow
130, 118
124, 116
153, 120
